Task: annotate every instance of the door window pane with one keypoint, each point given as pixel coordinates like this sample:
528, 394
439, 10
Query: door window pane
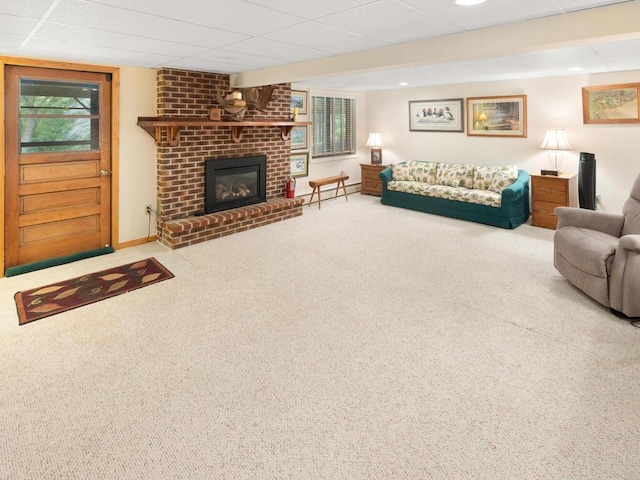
58, 116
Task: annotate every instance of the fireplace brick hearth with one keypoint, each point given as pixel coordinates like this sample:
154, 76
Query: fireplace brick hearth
180, 169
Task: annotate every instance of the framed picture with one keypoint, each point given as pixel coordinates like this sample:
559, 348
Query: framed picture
300, 164
436, 115
503, 116
606, 104
299, 138
299, 99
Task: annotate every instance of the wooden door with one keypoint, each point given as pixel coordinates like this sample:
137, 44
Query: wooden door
57, 163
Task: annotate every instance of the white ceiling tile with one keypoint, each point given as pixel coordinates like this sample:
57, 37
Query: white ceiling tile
240, 59
491, 13
390, 22
111, 55
272, 48
330, 39
573, 5
207, 66
312, 10
25, 8
236, 16
13, 25
621, 54
101, 38
10, 43
563, 59
111, 19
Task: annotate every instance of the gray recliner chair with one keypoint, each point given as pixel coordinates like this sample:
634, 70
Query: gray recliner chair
599, 253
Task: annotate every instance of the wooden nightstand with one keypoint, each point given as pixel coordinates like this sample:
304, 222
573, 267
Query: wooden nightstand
547, 193
371, 183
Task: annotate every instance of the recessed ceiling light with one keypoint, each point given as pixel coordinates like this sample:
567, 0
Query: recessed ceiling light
469, 2
403, 84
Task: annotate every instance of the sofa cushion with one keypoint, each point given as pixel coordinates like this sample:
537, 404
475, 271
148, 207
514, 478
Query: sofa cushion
483, 177
503, 178
402, 171
495, 179
467, 178
450, 174
424, 171
590, 251
460, 194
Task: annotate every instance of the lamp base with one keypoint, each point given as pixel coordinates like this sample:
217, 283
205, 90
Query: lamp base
553, 173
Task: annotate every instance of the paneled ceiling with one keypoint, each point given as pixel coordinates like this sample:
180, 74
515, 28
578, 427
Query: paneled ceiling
247, 37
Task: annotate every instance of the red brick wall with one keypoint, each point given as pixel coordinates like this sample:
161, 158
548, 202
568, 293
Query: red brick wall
181, 168
180, 171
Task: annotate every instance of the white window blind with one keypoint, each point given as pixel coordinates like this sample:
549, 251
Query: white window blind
334, 126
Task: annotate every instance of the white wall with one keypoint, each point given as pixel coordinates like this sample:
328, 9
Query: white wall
137, 175
552, 102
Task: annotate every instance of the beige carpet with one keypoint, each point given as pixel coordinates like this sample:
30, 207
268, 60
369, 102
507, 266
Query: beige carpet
355, 342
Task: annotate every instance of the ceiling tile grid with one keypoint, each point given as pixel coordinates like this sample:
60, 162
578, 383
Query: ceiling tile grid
243, 35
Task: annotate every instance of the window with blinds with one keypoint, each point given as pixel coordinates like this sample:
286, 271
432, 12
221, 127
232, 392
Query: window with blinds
334, 126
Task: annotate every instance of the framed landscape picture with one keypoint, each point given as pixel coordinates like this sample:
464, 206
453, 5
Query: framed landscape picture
299, 99
610, 104
299, 138
436, 115
300, 164
501, 116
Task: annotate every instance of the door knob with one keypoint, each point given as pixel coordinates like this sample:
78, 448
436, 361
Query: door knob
105, 173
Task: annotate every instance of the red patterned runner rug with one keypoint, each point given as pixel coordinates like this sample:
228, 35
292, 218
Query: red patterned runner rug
62, 296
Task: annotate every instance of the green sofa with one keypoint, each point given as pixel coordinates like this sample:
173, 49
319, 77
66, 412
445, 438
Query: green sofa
496, 196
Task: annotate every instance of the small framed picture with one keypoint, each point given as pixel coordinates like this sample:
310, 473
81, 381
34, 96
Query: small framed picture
215, 114
299, 138
376, 156
502, 116
299, 99
300, 164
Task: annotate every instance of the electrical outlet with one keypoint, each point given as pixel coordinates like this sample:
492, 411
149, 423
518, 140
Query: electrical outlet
598, 198
147, 209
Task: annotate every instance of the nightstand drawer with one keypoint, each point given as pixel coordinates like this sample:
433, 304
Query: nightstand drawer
369, 174
545, 208
545, 221
372, 185
551, 195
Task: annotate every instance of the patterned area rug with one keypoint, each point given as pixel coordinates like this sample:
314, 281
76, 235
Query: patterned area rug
55, 298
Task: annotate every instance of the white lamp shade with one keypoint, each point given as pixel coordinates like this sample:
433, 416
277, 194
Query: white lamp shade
375, 140
555, 139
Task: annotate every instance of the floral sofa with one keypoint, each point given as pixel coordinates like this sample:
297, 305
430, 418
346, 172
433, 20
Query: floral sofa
496, 196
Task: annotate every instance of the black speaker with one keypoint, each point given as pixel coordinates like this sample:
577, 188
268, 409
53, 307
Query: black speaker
587, 181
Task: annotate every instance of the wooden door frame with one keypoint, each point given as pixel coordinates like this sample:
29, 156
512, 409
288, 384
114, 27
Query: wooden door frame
115, 134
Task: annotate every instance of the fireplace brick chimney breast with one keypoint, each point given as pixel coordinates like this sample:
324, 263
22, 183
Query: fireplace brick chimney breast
180, 169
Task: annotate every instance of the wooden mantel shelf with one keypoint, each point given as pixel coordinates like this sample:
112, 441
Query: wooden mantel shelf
154, 125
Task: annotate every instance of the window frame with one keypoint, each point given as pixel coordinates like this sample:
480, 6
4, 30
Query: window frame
321, 128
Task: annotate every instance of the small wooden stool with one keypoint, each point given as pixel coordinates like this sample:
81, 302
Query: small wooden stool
337, 179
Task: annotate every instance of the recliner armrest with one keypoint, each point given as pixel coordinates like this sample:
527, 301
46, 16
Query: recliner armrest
610, 223
630, 242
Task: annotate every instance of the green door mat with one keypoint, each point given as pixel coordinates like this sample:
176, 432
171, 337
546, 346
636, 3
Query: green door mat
52, 262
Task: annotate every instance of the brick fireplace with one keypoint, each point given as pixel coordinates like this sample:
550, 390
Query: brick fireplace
180, 168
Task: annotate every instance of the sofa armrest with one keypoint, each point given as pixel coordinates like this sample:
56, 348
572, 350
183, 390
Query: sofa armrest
610, 223
386, 175
517, 188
